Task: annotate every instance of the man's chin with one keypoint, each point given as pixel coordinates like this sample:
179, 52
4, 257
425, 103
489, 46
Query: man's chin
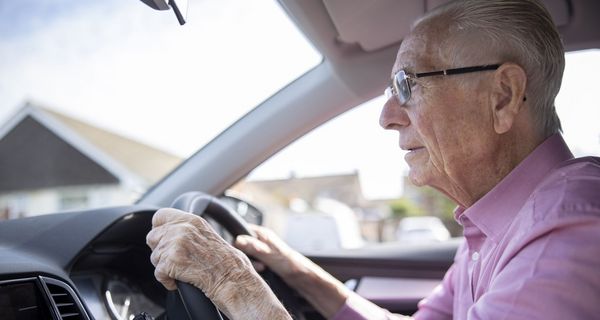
417, 178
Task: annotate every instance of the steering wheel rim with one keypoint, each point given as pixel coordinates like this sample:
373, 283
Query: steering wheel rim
195, 302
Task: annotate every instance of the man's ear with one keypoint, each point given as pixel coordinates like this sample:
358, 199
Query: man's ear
507, 95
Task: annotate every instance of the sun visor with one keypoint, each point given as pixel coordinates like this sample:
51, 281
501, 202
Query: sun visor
376, 24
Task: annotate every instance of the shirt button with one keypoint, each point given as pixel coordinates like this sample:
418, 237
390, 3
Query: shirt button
475, 256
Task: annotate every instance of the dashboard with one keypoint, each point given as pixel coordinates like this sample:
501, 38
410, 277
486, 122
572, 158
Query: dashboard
79, 265
95, 264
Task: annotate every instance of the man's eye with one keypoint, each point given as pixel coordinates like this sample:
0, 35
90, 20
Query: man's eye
415, 83
420, 83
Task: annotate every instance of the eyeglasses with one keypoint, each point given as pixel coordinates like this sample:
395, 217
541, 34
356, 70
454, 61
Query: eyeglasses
401, 82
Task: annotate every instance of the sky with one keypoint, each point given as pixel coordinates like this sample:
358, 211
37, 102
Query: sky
124, 67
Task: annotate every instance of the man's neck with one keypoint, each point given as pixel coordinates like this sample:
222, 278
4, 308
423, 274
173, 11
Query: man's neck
509, 151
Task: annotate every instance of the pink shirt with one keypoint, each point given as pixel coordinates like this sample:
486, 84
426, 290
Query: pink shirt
532, 248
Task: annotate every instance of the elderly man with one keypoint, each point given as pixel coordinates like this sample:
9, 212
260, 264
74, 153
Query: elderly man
472, 97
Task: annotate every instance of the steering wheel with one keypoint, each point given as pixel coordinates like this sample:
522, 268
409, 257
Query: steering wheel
195, 302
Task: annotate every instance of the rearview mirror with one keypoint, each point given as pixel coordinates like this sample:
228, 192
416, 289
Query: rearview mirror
247, 211
179, 7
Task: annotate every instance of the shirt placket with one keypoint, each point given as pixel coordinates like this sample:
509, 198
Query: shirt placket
475, 238
475, 268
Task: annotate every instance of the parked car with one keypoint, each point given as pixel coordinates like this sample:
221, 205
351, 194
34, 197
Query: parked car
333, 226
94, 263
421, 229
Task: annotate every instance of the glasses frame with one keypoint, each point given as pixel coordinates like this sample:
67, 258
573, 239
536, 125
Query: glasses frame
400, 83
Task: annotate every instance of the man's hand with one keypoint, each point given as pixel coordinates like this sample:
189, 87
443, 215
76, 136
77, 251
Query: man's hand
318, 287
272, 252
184, 247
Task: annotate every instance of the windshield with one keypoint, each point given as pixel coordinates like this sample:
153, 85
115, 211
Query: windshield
101, 99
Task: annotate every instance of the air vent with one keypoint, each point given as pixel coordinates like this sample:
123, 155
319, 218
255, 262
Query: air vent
64, 300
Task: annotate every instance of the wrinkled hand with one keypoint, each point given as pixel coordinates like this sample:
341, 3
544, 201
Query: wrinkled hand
318, 287
274, 253
184, 247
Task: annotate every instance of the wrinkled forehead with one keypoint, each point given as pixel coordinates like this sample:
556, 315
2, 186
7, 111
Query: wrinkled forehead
422, 50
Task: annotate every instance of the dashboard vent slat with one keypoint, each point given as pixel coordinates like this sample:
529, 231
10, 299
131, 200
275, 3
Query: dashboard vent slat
64, 304
66, 315
64, 300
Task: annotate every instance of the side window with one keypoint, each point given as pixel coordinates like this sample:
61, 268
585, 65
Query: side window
343, 186
577, 103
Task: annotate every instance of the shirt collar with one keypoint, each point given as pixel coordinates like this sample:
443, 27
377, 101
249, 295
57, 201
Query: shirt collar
494, 212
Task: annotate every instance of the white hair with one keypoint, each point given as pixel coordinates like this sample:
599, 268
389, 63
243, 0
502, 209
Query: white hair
518, 31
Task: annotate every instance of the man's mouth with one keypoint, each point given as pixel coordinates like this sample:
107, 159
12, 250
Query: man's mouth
411, 149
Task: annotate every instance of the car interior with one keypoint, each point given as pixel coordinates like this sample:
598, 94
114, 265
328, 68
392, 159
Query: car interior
94, 264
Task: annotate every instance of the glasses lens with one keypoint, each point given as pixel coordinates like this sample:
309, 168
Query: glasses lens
402, 87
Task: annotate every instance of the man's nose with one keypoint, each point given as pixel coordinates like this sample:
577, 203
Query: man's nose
393, 116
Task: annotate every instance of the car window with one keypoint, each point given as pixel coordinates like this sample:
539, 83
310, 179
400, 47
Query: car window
344, 185
100, 99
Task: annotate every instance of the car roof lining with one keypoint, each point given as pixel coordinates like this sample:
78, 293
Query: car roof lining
374, 25
343, 30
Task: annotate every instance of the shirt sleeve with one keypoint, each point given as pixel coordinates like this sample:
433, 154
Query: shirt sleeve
555, 276
440, 303
359, 308
438, 306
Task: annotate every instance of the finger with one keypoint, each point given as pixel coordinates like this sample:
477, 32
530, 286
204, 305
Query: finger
257, 231
162, 276
154, 236
252, 246
261, 233
155, 256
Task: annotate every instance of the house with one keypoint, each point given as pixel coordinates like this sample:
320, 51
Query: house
345, 188
330, 206
51, 162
